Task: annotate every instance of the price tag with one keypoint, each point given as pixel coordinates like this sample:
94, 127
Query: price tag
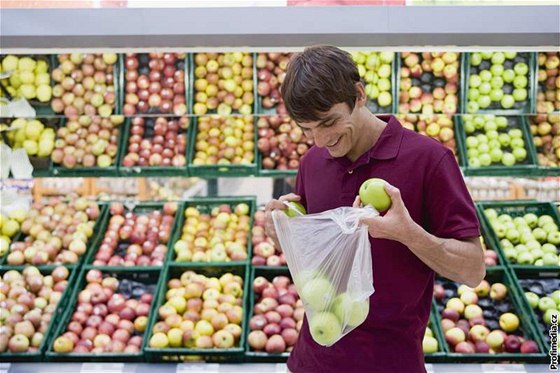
5, 367
281, 368
503, 368
102, 368
197, 367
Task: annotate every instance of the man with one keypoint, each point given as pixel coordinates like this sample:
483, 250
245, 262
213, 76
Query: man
430, 228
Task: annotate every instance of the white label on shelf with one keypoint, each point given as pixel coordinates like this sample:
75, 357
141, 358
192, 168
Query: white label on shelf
5, 367
501, 368
198, 367
429, 368
102, 368
281, 368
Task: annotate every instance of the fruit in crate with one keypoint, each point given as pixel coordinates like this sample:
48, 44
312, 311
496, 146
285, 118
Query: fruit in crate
55, 232
200, 312
548, 93
265, 251
494, 140
223, 83
224, 141
110, 315
481, 320
87, 142
546, 137
271, 70
29, 77
10, 226
526, 238
281, 143
136, 238
28, 300
277, 315
155, 83
543, 296
429, 83
429, 342
439, 127
31, 135
84, 84
214, 234
157, 142
375, 68
490, 256
498, 81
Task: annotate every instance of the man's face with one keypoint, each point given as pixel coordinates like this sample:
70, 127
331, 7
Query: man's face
336, 131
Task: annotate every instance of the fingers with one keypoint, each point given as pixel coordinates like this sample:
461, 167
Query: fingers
395, 194
357, 202
275, 205
290, 197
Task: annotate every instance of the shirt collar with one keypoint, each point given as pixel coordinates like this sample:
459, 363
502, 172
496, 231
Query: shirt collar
387, 146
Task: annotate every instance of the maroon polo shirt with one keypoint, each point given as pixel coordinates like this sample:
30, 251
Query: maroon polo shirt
434, 192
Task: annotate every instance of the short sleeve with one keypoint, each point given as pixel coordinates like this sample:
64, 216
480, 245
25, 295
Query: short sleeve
449, 210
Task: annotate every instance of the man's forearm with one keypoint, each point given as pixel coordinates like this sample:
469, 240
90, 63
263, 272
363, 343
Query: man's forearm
460, 261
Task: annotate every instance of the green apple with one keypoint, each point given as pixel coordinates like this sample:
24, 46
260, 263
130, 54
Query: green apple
304, 277
549, 227
318, 293
325, 328
508, 159
508, 75
556, 297
539, 234
553, 238
372, 192
491, 213
295, 209
525, 257
429, 345
532, 298
349, 311
550, 259
549, 248
513, 235
546, 303
547, 317
545, 219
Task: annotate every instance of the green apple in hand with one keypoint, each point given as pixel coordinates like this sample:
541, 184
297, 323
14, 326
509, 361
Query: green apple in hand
295, 206
350, 312
325, 328
372, 192
318, 293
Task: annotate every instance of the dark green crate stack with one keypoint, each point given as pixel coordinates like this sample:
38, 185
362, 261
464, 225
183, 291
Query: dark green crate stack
55, 320
527, 328
175, 270
149, 276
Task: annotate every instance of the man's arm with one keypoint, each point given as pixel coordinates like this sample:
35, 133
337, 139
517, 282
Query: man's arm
458, 260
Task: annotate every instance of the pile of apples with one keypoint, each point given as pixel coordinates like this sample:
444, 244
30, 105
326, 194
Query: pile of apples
223, 83
200, 312
271, 72
31, 135
543, 295
28, 301
265, 252
225, 141
375, 68
548, 97
527, 239
88, 142
136, 239
111, 315
429, 83
9, 227
277, 315
281, 143
498, 81
218, 236
30, 77
155, 83
85, 84
430, 343
493, 140
480, 320
546, 137
439, 127
56, 232
157, 142
490, 256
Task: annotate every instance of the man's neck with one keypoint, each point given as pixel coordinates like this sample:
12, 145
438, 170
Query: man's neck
369, 133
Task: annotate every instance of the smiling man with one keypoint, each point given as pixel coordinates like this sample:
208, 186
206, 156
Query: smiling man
431, 225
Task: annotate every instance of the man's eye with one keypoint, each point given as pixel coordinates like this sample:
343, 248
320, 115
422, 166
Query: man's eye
328, 124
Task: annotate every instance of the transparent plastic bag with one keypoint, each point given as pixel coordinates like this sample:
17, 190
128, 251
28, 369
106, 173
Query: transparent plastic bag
329, 257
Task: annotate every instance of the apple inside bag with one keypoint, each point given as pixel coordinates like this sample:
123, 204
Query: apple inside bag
329, 257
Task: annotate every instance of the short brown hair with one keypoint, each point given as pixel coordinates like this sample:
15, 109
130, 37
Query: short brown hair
317, 79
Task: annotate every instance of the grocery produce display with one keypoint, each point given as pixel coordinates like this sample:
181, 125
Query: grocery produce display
265, 252
439, 127
29, 78
377, 71
548, 93
546, 137
271, 69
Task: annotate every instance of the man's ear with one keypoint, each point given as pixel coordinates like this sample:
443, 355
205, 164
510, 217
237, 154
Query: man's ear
361, 98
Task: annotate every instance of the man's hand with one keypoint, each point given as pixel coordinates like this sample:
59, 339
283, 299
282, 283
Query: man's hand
276, 204
396, 224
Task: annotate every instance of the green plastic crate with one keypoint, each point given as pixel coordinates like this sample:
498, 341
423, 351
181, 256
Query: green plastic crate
205, 205
442, 351
158, 171
488, 236
544, 170
529, 106
526, 326
549, 275
60, 308
526, 168
518, 208
234, 354
138, 207
148, 276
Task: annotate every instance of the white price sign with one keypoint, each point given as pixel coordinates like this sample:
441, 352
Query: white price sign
102, 368
198, 367
501, 368
5, 367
